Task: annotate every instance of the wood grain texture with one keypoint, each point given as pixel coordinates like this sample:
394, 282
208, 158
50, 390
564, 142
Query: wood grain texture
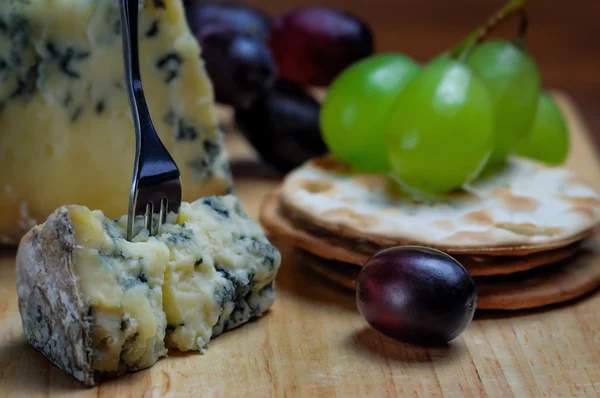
313, 343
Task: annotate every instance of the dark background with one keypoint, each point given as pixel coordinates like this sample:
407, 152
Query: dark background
564, 36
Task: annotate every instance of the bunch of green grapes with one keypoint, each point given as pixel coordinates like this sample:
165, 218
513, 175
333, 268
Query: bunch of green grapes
436, 127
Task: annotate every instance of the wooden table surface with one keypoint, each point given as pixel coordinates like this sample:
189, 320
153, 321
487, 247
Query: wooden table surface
313, 343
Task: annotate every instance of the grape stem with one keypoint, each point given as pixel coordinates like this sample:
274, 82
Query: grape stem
512, 8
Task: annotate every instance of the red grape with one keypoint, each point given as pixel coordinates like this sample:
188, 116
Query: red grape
283, 126
240, 66
313, 45
416, 294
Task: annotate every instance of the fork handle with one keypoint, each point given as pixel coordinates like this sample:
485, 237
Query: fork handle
146, 137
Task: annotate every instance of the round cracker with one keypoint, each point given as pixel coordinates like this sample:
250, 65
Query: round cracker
522, 209
563, 282
276, 223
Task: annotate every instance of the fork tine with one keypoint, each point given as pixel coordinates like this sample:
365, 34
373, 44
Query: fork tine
163, 213
149, 217
156, 205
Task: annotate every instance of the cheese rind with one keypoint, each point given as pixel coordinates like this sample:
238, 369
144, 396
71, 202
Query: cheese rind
53, 312
64, 110
127, 301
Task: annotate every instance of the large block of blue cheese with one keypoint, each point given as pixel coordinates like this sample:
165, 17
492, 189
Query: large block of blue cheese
98, 305
66, 133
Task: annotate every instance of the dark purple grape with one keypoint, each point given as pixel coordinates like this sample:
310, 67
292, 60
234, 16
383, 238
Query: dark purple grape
241, 18
240, 66
313, 45
283, 126
416, 294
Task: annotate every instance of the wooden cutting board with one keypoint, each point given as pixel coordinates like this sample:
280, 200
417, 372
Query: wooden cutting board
313, 343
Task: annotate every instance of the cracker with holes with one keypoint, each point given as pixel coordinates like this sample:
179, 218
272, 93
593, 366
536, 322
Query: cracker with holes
525, 208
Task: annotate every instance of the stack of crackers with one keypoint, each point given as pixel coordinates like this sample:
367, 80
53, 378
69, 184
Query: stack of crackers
526, 234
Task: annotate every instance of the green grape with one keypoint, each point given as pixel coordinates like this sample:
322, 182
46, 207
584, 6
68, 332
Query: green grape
513, 81
549, 138
354, 113
440, 130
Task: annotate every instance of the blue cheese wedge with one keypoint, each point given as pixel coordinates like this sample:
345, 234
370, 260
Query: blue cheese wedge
63, 107
98, 305
220, 262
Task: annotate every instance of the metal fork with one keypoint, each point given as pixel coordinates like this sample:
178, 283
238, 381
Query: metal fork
156, 186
